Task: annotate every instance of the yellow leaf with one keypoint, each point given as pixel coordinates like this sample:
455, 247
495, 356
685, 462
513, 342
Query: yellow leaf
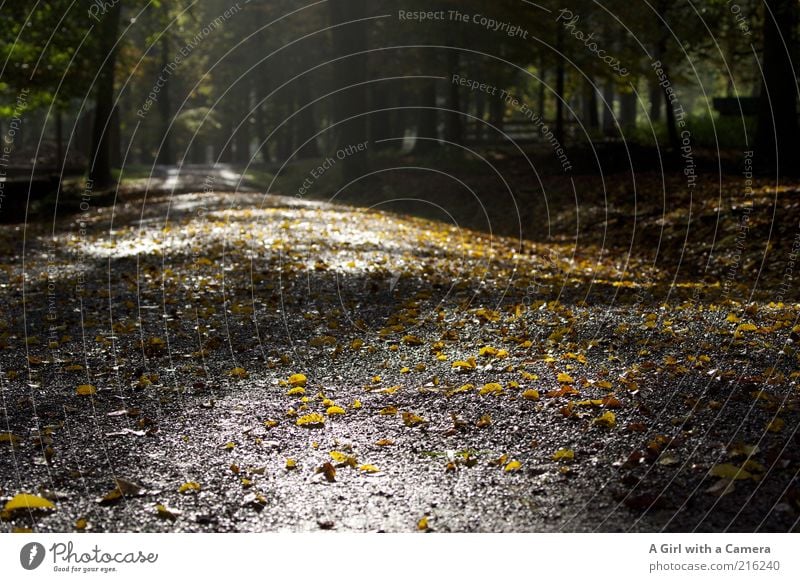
422, 524
388, 411
463, 365
513, 466
484, 421
313, 419
776, 425
298, 380
334, 410
412, 340
86, 390
298, 391
81, 524
460, 389
411, 419
730, 471
189, 487
10, 438
487, 351
237, 372
490, 388
531, 394
28, 501
369, 468
564, 455
385, 442
291, 464
356, 404
564, 378
607, 420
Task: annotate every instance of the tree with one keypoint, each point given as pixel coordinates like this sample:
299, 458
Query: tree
777, 140
100, 158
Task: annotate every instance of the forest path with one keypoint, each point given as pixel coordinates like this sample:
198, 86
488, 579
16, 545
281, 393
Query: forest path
252, 363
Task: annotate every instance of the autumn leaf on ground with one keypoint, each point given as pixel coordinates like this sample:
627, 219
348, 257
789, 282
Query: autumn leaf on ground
513, 466
298, 380
189, 487
328, 471
165, 512
237, 372
312, 420
343, 458
490, 388
85, 390
564, 455
334, 411
531, 394
411, 419
564, 378
28, 501
729, 471
606, 420
123, 488
465, 365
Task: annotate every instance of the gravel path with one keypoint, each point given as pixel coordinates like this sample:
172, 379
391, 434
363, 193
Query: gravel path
250, 363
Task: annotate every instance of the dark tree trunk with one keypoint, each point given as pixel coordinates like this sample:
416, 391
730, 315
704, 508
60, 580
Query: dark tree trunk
351, 72
454, 130
427, 124
608, 108
628, 109
589, 102
60, 138
306, 125
655, 101
100, 155
560, 97
777, 142
243, 133
380, 121
541, 89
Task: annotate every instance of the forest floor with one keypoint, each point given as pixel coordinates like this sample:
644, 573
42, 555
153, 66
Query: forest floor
267, 363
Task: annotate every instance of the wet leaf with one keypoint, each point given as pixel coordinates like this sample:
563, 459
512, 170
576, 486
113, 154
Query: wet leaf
298, 380
189, 487
564, 455
328, 471
606, 420
85, 390
312, 420
28, 501
490, 388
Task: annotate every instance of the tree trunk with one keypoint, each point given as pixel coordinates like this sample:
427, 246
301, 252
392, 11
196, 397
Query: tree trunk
777, 142
380, 121
628, 109
608, 108
100, 156
589, 102
560, 97
351, 72
427, 125
454, 130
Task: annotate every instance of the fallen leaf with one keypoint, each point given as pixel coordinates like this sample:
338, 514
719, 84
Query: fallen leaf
311, 420
28, 501
85, 390
564, 455
189, 487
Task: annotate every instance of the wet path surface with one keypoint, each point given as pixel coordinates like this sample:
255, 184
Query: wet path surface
242, 363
